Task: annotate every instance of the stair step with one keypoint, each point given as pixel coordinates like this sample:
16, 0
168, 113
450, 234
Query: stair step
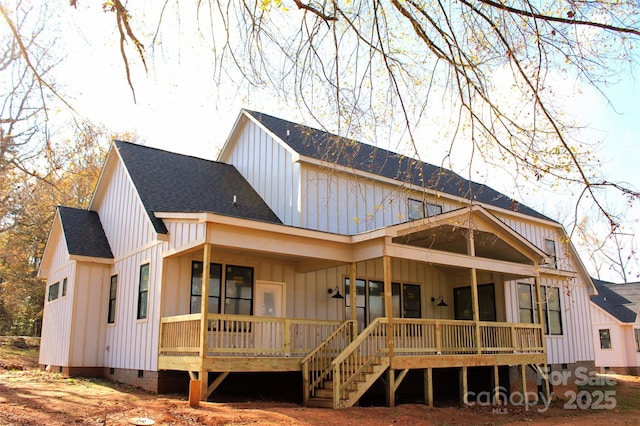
324, 393
316, 402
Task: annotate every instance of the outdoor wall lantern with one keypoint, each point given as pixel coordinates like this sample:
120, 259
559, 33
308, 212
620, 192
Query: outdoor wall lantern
337, 294
441, 301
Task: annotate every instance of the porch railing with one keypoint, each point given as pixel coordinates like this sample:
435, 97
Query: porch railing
240, 335
449, 337
243, 335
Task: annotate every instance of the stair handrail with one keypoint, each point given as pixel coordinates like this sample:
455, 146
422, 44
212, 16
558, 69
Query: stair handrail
310, 383
340, 384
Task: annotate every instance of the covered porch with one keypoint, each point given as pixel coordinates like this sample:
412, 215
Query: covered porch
339, 359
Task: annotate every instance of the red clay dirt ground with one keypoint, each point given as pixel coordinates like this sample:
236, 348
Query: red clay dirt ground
29, 396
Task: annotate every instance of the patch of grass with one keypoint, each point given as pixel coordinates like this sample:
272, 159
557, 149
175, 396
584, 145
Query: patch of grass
18, 358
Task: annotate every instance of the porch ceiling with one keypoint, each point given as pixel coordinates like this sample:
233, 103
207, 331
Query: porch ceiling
453, 239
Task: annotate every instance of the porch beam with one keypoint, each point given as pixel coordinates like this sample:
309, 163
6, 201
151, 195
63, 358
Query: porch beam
458, 260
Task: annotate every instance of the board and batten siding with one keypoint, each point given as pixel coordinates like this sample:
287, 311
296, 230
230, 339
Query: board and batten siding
132, 343
341, 203
124, 219
58, 317
269, 168
537, 233
576, 343
90, 291
623, 346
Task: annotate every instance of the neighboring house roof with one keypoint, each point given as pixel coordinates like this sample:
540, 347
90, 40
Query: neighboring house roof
621, 301
324, 146
170, 182
83, 233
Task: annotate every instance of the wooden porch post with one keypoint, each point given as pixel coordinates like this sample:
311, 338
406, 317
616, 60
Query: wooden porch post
203, 375
388, 311
464, 386
545, 381
388, 300
352, 300
428, 386
474, 292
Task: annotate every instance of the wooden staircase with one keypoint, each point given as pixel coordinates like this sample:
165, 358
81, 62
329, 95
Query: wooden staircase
338, 379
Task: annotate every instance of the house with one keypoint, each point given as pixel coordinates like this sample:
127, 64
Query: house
616, 326
345, 265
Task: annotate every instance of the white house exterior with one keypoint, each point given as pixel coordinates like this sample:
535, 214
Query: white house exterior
289, 216
616, 327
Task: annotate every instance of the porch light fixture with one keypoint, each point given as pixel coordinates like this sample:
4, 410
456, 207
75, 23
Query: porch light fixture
337, 291
441, 301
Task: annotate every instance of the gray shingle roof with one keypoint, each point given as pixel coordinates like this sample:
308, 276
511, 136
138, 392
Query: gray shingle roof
328, 147
83, 233
622, 301
170, 182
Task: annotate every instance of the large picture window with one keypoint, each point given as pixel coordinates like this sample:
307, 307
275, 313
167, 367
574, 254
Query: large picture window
113, 293
143, 292
462, 303
215, 279
238, 290
405, 301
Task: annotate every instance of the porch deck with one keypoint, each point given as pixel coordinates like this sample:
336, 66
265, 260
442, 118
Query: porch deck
237, 343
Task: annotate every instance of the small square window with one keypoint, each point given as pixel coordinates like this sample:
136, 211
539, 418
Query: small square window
54, 290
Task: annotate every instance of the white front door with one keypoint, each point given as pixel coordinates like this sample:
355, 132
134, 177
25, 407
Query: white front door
270, 302
270, 299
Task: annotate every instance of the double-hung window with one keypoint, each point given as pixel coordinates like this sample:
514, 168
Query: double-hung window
637, 334
550, 249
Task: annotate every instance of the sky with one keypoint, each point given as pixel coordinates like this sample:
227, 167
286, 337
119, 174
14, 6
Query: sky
180, 109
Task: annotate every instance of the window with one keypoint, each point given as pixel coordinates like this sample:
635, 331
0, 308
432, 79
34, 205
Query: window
433, 209
215, 278
605, 339
637, 333
361, 302
525, 302
53, 291
462, 303
418, 209
415, 209
551, 309
143, 291
550, 249
64, 287
113, 291
238, 290
405, 301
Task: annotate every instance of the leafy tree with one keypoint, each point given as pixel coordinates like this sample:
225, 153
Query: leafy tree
28, 221
491, 71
